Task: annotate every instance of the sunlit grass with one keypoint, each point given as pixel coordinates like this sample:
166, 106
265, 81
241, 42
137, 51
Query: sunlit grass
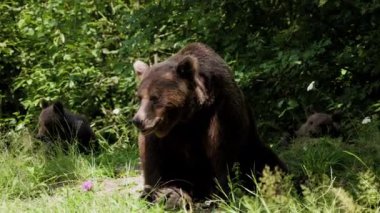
334, 176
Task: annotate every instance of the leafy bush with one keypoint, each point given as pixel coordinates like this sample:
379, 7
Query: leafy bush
70, 51
81, 53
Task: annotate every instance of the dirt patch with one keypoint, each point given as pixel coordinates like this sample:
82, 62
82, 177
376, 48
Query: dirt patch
131, 185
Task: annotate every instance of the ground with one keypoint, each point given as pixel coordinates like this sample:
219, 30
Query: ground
341, 177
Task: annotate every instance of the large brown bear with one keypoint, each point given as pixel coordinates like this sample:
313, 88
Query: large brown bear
194, 125
57, 124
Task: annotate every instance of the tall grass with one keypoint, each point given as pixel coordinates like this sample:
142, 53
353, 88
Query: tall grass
334, 176
30, 168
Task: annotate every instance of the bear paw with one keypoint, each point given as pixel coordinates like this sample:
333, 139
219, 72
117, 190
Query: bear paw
172, 197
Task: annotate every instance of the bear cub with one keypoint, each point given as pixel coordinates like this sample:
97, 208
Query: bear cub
316, 125
195, 125
320, 124
57, 124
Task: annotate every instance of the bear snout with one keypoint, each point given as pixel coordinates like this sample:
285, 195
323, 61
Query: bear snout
146, 126
138, 122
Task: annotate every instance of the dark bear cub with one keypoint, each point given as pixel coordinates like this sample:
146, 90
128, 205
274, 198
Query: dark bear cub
194, 126
320, 124
56, 123
316, 125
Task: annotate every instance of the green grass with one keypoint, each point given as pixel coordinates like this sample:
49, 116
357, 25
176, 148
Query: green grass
336, 177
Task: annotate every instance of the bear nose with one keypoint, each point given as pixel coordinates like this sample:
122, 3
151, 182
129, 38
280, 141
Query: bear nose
137, 122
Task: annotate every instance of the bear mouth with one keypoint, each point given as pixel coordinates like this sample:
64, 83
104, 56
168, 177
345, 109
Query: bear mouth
151, 126
147, 131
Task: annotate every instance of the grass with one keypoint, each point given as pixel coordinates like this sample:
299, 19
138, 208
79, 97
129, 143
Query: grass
335, 176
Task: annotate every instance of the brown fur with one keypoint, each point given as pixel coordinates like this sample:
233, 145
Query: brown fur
58, 124
195, 124
319, 124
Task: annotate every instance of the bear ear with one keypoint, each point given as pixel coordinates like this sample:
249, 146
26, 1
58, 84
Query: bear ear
44, 104
58, 107
140, 68
187, 67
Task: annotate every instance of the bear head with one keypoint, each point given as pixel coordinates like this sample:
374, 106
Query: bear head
52, 123
320, 124
169, 92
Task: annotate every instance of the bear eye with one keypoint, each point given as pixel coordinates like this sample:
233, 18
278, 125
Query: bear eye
154, 99
311, 122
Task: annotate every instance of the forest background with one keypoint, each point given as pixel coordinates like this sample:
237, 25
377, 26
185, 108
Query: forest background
288, 57
81, 52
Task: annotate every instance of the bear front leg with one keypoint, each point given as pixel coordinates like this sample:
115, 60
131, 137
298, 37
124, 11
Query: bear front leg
222, 173
172, 197
150, 164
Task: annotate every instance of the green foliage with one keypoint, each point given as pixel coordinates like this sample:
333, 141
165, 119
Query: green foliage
81, 52
70, 51
368, 188
30, 168
287, 56
9, 58
307, 157
21, 168
317, 156
333, 179
74, 55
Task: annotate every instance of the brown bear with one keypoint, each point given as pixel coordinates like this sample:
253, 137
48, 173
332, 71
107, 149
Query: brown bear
320, 124
58, 124
194, 125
